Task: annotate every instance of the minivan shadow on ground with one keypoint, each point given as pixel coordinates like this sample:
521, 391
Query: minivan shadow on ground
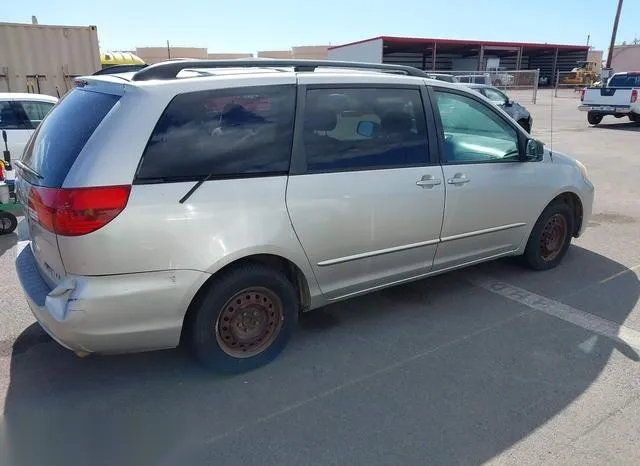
435, 372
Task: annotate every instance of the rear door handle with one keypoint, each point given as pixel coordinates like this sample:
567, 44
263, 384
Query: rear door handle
428, 181
458, 178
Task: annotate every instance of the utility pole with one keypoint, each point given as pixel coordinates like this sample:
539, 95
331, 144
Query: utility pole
168, 50
613, 34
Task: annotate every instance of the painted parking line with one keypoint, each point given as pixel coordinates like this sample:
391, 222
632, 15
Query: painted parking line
588, 321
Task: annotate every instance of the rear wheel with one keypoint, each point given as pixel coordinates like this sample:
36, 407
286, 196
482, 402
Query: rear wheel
594, 118
634, 117
244, 320
8, 222
550, 237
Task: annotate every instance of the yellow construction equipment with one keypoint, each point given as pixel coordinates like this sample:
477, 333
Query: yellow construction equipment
119, 58
584, 73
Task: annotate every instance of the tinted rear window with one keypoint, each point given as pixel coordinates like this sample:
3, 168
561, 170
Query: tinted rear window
222, 133
63, 133
628, 80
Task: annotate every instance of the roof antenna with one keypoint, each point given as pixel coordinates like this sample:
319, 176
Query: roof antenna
553, 98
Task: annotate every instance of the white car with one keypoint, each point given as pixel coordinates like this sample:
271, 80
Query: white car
20, 115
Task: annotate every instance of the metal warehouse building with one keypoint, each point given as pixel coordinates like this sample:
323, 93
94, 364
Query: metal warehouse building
462, 55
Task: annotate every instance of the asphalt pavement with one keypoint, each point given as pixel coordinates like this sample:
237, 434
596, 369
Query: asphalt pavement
493, 364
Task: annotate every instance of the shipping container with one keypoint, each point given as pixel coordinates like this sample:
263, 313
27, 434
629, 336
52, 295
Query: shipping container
45, 59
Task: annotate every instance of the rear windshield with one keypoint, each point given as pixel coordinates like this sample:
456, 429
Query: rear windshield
625, 80
220, 134
63, 133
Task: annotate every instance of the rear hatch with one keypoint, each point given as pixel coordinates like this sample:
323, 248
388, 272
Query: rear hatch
51, 209
607, 96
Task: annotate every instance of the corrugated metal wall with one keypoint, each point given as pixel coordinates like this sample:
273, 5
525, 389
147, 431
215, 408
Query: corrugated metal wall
38, 58
444, 62
567, 60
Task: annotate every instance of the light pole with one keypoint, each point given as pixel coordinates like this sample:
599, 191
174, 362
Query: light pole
613, 34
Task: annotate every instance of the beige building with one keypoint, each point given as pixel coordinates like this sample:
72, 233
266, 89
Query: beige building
157, 54
626, 58
228, 56
152, 55
310, 52
595, 56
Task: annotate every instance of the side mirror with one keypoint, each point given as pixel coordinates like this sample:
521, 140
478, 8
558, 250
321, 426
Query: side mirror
508, 103
366, 129
534, 151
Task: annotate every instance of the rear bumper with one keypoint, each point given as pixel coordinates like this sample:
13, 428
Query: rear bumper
110, 314
605, 109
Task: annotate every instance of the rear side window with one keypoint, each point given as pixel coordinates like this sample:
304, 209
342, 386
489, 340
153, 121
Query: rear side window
222, 134
57, 142
364, 129
36, 110
12, 116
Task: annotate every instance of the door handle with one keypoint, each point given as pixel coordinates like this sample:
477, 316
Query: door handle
458, 178
428, 181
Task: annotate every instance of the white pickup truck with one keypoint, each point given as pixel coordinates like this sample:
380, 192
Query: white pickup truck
619, 98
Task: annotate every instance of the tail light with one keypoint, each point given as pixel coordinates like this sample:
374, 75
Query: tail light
634, 96
76, 211
1, 171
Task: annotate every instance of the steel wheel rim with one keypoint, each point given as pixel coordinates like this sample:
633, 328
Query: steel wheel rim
553, 238
5, 223
249, 322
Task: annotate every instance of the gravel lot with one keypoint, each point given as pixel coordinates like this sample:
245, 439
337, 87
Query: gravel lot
492, 364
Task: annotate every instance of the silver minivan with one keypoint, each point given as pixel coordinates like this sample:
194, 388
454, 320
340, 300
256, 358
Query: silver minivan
210, 202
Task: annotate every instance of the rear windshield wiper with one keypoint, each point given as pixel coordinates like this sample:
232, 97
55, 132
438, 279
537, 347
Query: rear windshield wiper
28, 169
199, 183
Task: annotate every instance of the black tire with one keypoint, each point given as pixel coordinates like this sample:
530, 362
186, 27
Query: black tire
537, 254
634, 117
594, 118
525, 125
8, 223
211, 342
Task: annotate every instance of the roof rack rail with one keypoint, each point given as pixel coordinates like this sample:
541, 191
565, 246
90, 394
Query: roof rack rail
170, 69
115, 69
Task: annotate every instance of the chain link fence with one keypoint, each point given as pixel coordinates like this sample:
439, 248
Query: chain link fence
569, 84
524, 81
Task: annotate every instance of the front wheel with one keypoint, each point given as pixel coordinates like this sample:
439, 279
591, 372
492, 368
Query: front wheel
550, 237
594, 118
244, 319
8, 223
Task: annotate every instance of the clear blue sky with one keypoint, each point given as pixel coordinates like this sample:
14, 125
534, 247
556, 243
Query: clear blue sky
248, 26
